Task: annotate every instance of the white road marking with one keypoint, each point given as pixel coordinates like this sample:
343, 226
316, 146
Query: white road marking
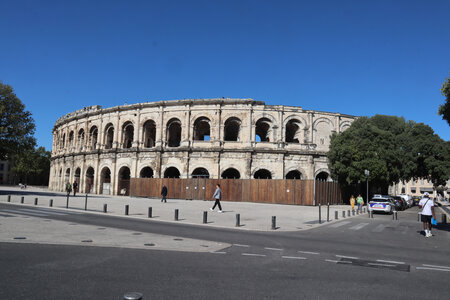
359, 226
382, 265
274, 249
379, 228
390, 262
343, 256
253, 254
340, 224
239, 245
308, 252
434, 266
294, 257
17, 212
218, 252
333, 261
434, 269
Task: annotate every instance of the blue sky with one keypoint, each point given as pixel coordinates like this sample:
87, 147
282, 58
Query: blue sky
354, 57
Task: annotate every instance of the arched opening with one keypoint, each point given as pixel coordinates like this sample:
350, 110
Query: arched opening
60, 183
262, 174
293, 134
80, 139
146, 172
71, 136
262, 130
67, 177
128, 135
171, 172
232, 128
105, 181
123, 184
149, 133
202, 129
109, 136
174, 133
322, 176
231, 173
63, 142
93, 136
200, 172
77, 176
294, 174
89, 180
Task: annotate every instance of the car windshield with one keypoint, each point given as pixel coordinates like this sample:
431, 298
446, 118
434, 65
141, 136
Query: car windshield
379, 200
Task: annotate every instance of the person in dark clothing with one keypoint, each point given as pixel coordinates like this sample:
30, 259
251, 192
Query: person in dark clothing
75, 188
217, 195
164, 194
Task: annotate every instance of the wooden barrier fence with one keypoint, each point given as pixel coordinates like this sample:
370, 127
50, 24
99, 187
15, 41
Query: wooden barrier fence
277, 191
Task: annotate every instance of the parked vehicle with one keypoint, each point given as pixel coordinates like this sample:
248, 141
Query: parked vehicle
400, 203
408, 199
382, 203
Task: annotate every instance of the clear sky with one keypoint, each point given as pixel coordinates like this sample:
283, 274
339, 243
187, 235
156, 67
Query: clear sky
356, 57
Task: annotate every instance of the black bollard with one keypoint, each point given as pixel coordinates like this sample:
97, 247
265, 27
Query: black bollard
274, 222
394, 215
371, 214
418, 216
205, 217
336, 215
320, 214
67, 202
51, 203
444, 219
328, 212
353, 212
348, 213
9, 198
238, 220
149, 212
85, 202
105, 208
35, 201
343, 214
176, 214
22, 199
126, 209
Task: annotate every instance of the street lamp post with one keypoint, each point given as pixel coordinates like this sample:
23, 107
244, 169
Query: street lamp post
367, 173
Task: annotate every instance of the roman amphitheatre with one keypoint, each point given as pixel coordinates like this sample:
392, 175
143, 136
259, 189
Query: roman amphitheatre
103, 148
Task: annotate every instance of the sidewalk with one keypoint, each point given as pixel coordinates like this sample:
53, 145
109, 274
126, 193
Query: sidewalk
253, 216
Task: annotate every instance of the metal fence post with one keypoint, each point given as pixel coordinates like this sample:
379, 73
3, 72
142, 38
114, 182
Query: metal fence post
22, 199
51, 202
35, 201
274, 222
67, 202
9, 198
85, 202
328, 212
176, 214
238, 220
336, 215
205, 217
149, 212
105, 208
127, 207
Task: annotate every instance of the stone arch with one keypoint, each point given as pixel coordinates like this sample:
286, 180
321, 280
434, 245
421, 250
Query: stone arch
67, 176
344, 126
123, 182
262, 174
202, 129
89, 180
293, 174
93, 137
293, 131
77, 176
232, 128
323, 119
173, 132
127, 134
263, 129
105, 181
80, 138
322, 174
109, 136
146, 172
200, 173
171, 172
63, 142
231, 173
71, 138
322, 128
149, 134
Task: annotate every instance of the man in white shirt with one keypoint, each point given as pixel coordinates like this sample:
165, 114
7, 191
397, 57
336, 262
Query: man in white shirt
427, 206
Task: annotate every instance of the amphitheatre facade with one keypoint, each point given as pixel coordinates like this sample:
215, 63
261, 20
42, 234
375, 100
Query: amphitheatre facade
102, 149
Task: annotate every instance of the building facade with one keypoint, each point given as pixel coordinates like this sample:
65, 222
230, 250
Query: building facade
214, 138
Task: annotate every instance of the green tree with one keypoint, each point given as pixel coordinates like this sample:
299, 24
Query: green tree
32, 166
16, 124
391, 149
444, 109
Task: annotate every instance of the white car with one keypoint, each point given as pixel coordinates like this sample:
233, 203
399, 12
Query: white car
382, 204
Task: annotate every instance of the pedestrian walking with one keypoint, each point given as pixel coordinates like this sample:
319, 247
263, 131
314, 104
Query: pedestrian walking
359, 201
164, 194
68, 188
427, 206
75, 188
352, 201
217, 195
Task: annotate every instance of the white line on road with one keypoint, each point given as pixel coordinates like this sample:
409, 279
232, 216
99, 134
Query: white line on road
343, 256
219, 252
308, 252
294, 257
338, 261
253, 254
381, 265
340, 224
434, 269
25, 213
359, 226
379, 228
434, 266
330, 260
239, 245
390, 261
274, 249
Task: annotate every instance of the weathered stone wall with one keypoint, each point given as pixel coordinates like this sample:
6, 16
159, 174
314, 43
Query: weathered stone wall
196, 137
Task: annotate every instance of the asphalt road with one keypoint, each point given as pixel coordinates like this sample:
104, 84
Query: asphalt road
357, 258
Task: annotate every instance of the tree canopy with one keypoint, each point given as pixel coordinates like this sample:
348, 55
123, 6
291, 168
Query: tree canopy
444, 109
32, 166
16, 124
391, 149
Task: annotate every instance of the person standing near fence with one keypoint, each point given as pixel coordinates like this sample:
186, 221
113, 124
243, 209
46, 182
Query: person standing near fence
164, 194
75, 188
217, 195
352, 202
68, 188
360, 201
